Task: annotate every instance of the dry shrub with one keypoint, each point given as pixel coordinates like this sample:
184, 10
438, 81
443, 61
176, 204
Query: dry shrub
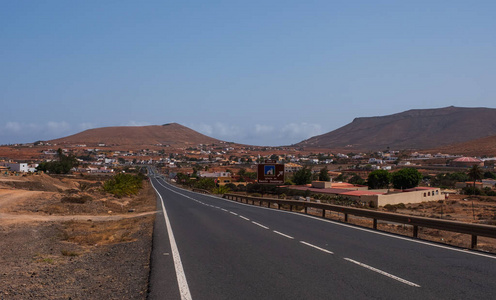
101, 233
76, 199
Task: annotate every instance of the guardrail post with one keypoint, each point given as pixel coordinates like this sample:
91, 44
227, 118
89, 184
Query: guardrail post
305, 208
323, 213
415, 231
291, 207
346, 217
278, 206
474, 241
375, 224
268, 204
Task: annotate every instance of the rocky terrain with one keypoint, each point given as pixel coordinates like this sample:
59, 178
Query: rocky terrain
169, 134
63, 238
413, 129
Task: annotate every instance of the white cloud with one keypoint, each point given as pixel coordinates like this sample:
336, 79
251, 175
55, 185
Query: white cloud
136, 123
13, 127
260, 134
263, 129
18, 132
251, 134
87, 125
301, 130
58, 127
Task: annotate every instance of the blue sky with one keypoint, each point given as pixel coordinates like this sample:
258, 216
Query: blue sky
255, 72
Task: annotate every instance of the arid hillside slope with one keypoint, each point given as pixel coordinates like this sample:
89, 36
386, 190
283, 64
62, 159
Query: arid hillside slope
477, 147
413, 129
169, 134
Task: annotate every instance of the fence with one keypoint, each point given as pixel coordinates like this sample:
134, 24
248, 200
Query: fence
474, 230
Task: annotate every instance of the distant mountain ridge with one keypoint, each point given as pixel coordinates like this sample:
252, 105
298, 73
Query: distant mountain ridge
412, 129
168, 134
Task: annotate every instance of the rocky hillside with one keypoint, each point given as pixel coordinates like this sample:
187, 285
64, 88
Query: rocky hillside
477, 147
413, 129
169, 134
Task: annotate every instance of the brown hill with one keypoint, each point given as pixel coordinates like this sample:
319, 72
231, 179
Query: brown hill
477, 147
413, 129
169, 134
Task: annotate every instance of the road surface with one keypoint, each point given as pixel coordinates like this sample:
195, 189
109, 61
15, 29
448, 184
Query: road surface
226, 250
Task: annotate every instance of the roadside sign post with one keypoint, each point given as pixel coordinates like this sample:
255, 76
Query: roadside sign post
270, 172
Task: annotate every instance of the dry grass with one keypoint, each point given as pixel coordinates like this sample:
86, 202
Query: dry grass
91, 233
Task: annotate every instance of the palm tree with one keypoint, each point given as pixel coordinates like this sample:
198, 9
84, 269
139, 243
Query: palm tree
475, 173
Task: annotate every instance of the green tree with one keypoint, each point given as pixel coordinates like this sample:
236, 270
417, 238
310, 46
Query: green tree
242, 172
379, 179
123, 184
223, 189
341, 177
63, 166
356, 179
205, 184
489, 174
302, 176
475, 173
324, 174
406, 178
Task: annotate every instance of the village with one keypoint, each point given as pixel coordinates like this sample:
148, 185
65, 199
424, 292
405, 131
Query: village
234, 167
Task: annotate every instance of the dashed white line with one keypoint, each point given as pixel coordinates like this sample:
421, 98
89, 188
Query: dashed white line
233, 213
245, 218
317, 247
383, 273
224, 209
258, 224
284, 235
404, 238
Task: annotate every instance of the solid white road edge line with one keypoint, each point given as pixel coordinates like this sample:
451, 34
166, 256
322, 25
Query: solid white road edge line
284, 235
317, 247
181, 276
346, 225
258, 224
383, 273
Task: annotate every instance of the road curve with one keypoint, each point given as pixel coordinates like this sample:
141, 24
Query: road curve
230, 250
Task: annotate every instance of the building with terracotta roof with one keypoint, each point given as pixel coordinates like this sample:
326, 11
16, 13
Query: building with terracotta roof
467, 162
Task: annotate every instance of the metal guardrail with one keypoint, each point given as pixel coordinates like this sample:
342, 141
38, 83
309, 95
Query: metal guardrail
201, 191
474, 230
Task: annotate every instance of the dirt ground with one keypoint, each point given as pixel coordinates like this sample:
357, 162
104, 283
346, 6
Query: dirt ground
457, 208
63, 238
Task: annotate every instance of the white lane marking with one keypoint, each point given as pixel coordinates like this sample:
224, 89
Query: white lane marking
245, 218
465, 251
383, 273
317, 247
233, 213
224, 209
181, 276
258, 224
284, 235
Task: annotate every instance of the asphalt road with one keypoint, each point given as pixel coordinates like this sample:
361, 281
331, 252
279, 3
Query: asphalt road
229, 250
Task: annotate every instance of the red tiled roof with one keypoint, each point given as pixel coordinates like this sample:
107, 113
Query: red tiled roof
320, 191
361, 193
468, 159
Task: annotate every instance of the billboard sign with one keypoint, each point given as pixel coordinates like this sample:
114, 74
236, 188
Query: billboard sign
271, 173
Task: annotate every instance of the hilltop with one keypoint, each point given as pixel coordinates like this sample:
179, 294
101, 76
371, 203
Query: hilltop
412, 129
169, 134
